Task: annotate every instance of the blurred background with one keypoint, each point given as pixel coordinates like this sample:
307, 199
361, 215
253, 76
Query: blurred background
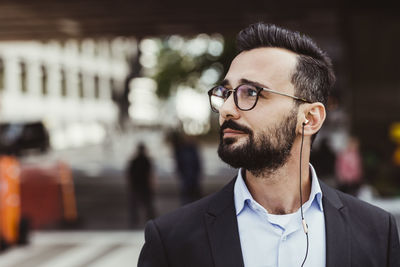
105, 120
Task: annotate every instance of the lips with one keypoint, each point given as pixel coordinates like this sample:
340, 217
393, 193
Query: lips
230, 132
231, 128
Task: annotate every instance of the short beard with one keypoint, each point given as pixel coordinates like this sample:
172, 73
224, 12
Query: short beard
261, 155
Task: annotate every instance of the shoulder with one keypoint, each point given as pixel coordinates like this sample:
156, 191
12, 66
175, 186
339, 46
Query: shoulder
359, 206
182, 228
372, 230
187, 215
176, 238
191, 218
358, 212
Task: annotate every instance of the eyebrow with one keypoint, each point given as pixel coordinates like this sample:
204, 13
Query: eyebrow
224, 82
244, 81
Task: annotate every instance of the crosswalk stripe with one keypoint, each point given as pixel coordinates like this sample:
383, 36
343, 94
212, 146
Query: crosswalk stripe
76, 249
77, 255
122, 257
37, 259
14, 255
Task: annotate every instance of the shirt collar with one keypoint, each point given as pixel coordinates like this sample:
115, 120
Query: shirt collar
242, 194
316, 192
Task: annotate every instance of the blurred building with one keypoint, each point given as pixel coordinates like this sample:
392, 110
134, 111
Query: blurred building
361, 39
66, 84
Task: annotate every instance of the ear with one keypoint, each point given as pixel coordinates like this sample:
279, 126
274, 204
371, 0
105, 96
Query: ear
313, 115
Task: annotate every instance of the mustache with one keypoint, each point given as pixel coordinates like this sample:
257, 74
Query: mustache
234, 126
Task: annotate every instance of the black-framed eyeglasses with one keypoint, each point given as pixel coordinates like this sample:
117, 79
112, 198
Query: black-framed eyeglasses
245, 96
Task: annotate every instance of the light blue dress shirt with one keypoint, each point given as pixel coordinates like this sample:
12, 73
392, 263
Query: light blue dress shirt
279, 240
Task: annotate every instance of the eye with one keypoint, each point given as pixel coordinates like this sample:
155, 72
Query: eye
247, 91
251, 92
227, 93
220, 91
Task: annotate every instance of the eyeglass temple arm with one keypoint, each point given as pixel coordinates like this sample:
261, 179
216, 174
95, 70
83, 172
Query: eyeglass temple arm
292, 96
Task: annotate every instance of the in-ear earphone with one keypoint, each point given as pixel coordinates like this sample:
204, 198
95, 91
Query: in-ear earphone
303, 221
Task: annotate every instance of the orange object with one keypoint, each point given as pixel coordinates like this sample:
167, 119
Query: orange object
10, 204
41, 196
396, 156
394, 132
68, 193
47, 195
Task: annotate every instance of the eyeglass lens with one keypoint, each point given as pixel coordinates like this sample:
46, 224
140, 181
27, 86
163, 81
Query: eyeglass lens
245, 97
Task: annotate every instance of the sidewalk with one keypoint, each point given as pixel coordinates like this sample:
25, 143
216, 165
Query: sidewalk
77, 249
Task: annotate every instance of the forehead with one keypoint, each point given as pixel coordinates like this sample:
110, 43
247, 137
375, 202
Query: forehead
270, 66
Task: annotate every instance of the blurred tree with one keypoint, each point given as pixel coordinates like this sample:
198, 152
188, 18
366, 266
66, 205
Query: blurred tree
177, 68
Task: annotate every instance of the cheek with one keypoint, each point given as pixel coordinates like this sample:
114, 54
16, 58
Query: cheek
258, 120
269, 115
220, 119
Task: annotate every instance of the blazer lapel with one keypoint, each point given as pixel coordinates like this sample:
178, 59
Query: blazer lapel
222, 228
223, 233
336, 229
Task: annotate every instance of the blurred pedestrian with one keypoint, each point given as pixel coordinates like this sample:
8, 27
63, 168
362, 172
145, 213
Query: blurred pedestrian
349, 168
323, 159
140, 184
188, 167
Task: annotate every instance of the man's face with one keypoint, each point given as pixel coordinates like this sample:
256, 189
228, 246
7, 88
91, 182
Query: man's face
260, 139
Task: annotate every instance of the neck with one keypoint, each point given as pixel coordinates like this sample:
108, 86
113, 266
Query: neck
279, 191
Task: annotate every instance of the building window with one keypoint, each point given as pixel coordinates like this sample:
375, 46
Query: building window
44, 80
80, 86
23, 77
96, 87
112, 84
63, 84
2, 85
112, 89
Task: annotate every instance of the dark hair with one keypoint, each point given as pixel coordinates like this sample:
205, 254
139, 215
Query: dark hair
313, 77
141, 148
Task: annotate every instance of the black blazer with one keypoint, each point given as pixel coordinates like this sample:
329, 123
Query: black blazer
205, 233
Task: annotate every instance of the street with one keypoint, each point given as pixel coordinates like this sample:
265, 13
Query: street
77, 249
102, 236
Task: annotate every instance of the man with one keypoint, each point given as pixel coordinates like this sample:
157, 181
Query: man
139, 176
271, 104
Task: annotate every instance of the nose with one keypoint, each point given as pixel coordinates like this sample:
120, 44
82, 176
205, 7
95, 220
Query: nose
229, 109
